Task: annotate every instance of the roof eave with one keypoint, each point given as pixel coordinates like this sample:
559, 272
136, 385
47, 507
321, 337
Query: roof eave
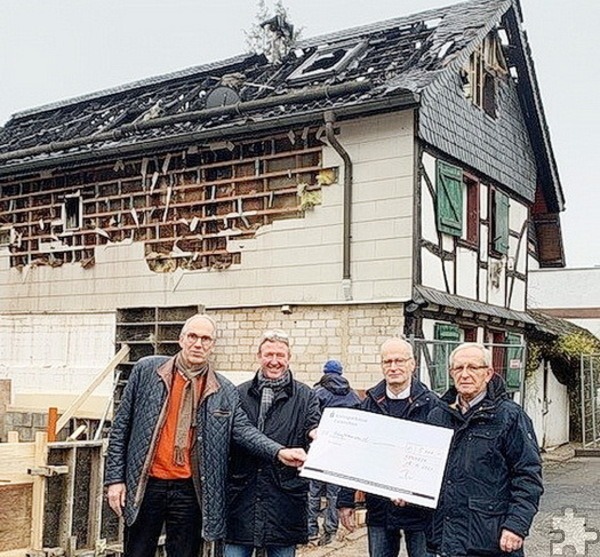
400, 100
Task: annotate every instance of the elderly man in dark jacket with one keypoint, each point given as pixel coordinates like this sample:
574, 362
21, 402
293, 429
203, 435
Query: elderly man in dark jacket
400, 395
268, 502
493, 479
169, 447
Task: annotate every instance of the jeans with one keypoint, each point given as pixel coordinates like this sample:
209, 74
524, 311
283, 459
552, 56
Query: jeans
386, 543
172, 503
235, 550
330, 517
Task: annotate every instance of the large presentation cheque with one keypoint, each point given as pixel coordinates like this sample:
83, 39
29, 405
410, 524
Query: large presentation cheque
379, 454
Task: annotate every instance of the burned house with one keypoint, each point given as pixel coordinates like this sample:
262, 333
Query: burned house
391, 178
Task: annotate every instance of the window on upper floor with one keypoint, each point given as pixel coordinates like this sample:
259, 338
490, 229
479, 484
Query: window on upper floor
471, 210
449, 187
480, 76
71, 212
457, 203
499, 224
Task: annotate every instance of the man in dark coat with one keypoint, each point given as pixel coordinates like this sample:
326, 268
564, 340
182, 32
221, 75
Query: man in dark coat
493, 479
268, 502
169, 446
333, 391
400, 395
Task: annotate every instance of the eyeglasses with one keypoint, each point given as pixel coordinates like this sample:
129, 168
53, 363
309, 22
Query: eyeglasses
469, 368
275, 335
193, 338
396, 361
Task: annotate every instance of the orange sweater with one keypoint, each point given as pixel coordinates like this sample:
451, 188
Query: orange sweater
163, 464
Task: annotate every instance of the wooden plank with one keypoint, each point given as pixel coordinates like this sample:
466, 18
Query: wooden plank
69, 413
96, 495
65, 531
39, 492
15, 459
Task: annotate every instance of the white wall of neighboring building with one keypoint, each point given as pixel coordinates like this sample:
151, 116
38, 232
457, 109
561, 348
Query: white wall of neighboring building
51, 358
572, 294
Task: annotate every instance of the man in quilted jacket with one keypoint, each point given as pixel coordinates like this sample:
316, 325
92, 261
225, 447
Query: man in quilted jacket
169, 446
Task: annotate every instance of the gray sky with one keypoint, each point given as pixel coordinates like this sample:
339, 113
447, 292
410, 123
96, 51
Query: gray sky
57, 49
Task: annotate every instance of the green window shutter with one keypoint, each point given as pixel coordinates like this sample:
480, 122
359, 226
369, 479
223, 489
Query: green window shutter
514, 362
449, 186
501, 203
440, 379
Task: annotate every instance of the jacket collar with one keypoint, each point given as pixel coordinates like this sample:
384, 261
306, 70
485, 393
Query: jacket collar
287, 391
166, 371
417, 390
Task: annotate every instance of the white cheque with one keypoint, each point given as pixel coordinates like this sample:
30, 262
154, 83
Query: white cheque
379, 454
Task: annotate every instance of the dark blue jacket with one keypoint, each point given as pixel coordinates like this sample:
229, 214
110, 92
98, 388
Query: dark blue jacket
268, 501
493, 477
333, 390
380, 510
219, 420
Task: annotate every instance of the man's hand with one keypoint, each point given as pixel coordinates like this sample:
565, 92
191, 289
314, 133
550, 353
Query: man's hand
510, 541
399, 502
294, 457
116, 498
312, 434
346, 515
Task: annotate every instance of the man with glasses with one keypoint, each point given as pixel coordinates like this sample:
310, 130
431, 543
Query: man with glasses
401, 395
268, 502
493, 479
169, 447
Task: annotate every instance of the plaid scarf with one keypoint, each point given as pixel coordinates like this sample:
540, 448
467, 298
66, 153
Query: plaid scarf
268, 388
188, 406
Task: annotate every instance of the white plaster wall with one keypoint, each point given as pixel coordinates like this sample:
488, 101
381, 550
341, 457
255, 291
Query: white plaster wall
290, 261
466, 273
58, 353
428, 224
519, 295
432, 273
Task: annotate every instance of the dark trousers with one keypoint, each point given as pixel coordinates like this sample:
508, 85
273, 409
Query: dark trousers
386, 543
171, 503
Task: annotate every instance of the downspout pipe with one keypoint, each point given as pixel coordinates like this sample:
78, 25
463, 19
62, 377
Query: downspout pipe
329, 117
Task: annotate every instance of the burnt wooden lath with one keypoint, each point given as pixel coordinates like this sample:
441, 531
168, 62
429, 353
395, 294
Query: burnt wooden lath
185, 206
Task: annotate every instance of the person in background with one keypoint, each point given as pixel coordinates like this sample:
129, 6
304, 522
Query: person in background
268, 502
169, 443
400, 395
332, 390
493, 479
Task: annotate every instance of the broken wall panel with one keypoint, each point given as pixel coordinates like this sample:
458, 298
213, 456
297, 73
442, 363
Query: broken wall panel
183, 206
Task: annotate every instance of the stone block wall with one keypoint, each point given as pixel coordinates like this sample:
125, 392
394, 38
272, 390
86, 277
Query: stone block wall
350, 333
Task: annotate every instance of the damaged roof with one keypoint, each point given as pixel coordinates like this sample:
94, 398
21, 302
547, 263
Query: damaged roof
364, 70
